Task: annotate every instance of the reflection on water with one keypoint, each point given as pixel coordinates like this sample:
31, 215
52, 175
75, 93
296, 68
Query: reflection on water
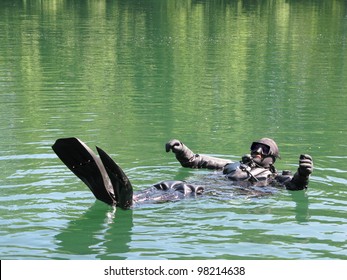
95, 235
128, 76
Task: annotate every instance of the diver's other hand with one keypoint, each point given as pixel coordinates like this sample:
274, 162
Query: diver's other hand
301, 177
305, 165
174, 145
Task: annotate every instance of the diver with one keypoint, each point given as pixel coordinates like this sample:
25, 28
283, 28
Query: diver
110, 184
254, 168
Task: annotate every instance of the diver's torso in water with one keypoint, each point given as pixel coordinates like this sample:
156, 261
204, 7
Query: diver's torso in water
238, 171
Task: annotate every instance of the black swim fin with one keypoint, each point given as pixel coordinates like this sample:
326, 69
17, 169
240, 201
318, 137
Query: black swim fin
84, 163
122, 187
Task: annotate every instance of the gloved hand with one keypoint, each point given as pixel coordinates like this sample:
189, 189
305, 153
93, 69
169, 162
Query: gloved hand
305, 165
188, 158
175, 145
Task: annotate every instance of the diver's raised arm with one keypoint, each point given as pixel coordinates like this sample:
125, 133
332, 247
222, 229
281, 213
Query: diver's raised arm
301, 177
189, 159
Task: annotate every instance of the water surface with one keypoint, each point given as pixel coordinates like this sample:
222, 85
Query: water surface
130, 75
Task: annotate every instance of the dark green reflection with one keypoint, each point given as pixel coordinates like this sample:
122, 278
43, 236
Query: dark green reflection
100, 233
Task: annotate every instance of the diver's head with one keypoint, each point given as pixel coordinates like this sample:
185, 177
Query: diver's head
264, 152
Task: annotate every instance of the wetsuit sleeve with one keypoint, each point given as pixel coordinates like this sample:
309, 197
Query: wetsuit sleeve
191, 160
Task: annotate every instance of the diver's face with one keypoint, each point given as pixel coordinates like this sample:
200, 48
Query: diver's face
259, 150
256, 155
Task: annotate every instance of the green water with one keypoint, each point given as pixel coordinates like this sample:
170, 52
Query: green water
130, 75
